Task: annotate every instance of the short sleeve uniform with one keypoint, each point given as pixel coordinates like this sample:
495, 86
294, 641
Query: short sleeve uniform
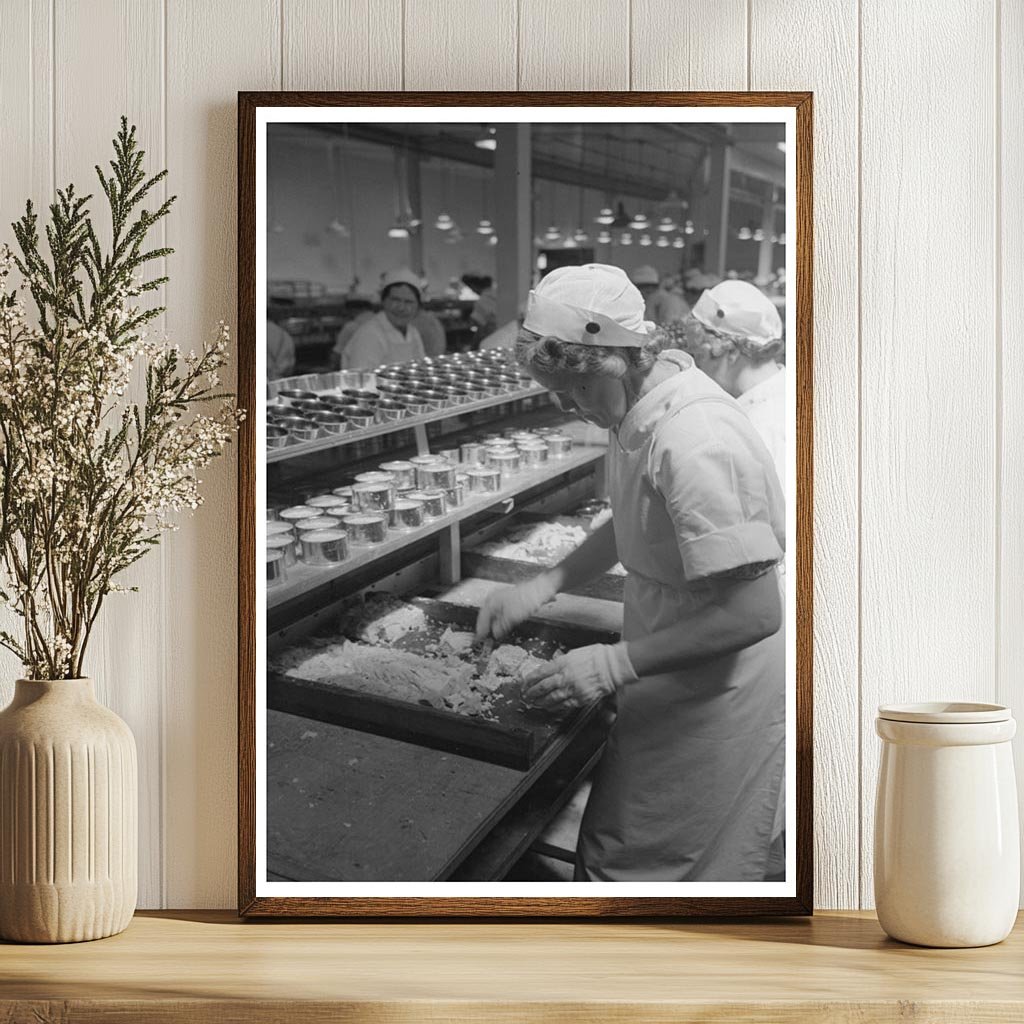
687, 787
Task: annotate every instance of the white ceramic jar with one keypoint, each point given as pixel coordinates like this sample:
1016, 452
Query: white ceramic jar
947, 848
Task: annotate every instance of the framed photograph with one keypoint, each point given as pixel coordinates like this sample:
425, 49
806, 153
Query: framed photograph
525, 504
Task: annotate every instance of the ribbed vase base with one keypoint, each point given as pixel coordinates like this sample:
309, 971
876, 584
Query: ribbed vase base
63, 913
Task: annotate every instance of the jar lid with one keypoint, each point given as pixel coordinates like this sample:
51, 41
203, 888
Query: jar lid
945, 713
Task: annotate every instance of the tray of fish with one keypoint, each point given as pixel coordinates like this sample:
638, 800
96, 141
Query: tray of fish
531, 543
408, 669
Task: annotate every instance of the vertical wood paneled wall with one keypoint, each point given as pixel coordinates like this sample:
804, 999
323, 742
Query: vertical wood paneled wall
919, 301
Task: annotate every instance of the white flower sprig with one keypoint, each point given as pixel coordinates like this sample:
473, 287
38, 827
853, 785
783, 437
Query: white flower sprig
89, 479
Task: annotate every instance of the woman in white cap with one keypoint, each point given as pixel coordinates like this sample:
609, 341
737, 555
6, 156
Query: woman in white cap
389, 336
735, 336
687, 785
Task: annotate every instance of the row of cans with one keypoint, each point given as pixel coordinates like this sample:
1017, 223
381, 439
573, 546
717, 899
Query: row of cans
401, 495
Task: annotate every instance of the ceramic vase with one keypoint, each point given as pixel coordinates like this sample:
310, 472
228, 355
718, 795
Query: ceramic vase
68, 815
947, 847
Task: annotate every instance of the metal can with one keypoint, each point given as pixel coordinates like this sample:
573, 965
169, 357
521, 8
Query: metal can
376, 476
484, 479
298, 512
425, 460
291, 395
279, 528
324, 547
434, 503
275, 567
286, 545
559, 445
450, 454
322, 500
277, 437
340, 510
345, 493
366, 528
390, 411
406, 514
506, 461
373, 497
455, 495
471, 453
304, 430
316, 523
403, 473
435, 476
523, 436
533, 453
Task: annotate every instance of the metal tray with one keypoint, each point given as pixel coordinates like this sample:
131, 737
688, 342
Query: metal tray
606, 587
518, 739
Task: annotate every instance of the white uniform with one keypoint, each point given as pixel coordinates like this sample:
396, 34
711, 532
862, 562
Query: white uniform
280, 352
687, 787
765, 404
378, 342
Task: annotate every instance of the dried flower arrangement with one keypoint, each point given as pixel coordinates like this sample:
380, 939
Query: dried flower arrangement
89, 477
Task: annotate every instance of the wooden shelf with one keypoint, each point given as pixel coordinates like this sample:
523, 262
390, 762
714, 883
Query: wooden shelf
293, 451
303, 578
206, 966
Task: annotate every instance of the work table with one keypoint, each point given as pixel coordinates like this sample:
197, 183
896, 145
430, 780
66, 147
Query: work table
203, 967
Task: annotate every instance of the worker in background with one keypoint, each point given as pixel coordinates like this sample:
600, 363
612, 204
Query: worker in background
735, 336
660, 306
388, 336
435, 340
280, 352
484, 314
362, 309
687, 785
507, 334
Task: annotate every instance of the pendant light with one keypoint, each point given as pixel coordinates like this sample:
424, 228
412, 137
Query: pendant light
625, 238
336, 225
745, 234
678, 243
485, 227
606, 217
604, 238
640, 222
488, 139
688, 228
622, 218
645, 240
666, 224
400, 226
663, 242
444, 221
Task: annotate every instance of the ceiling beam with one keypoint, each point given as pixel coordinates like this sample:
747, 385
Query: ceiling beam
546, 168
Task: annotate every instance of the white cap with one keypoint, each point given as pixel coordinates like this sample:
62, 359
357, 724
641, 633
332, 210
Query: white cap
739, 309
590, 305
645, 275
403, 275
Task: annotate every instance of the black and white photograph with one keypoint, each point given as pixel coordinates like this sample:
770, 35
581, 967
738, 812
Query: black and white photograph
525, 524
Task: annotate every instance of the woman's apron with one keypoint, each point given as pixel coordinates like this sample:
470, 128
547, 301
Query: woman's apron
687, 786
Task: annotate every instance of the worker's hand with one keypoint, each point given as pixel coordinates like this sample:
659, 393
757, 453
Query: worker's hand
507, 607
579, 678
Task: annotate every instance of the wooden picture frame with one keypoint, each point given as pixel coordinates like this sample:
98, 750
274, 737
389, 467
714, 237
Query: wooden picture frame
253, 900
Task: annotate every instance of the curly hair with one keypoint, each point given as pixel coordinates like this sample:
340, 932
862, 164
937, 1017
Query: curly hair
699, 340
552, 355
